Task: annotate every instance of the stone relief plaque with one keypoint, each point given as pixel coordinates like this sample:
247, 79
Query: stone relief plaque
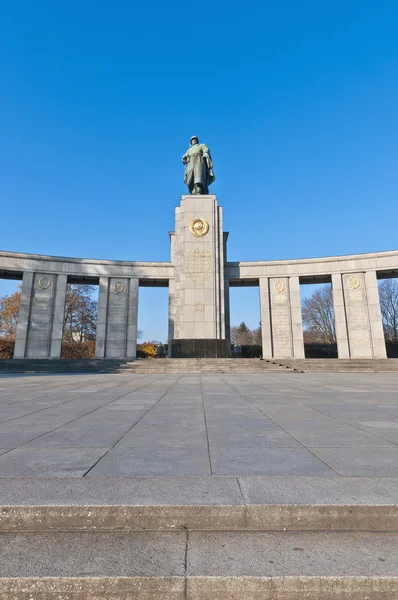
354, 282
279, 286
44, 283
199, 265
118, 288
198, 227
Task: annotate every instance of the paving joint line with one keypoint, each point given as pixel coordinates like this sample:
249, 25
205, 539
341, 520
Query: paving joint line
73, 420
130, 428
54, 405
45, 395
186, 565
292, 436
355, 427
205, 419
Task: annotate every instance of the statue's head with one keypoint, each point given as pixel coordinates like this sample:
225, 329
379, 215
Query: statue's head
194, 140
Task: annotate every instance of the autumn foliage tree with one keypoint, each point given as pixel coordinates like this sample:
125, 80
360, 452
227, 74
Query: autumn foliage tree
9, 310
80, 322
80, 318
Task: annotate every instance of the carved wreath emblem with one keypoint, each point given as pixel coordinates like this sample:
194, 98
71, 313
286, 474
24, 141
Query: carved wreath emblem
279, 286
198, 227
354, 282
44, 283
118, 288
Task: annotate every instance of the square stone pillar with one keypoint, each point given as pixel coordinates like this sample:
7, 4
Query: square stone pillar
340, 321
287, 339
197, 307
58, 316
296, 318
117, 318
265, 316
101, 318
362, 308
281, 318
132, 322
23, 317
116, 325
375, 318
227, 315
40, 325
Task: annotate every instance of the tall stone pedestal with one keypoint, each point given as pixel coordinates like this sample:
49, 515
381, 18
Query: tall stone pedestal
197, 322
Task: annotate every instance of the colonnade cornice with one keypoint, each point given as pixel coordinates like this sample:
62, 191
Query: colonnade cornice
313, 267
85, 267
306, 267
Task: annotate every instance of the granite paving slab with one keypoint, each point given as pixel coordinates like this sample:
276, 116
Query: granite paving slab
199, 424
267, 461
361, 462
73, 462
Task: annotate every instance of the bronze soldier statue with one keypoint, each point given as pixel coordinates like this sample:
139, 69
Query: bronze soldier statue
199, 168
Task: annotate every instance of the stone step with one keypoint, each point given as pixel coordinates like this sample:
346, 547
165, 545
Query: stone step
205, 503
203, 365
339, 365
199, 565
57, 366
198, 538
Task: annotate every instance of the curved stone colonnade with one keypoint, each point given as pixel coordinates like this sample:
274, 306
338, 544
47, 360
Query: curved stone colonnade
354, 282
358, 321
44, 281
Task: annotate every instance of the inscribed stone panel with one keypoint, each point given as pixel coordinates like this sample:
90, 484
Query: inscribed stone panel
281, 317
116, 337
41, 314
358, 325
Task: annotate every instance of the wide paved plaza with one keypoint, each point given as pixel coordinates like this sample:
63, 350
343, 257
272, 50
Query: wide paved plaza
199, 425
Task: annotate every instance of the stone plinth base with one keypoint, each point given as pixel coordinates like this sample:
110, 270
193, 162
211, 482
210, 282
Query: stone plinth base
191, 348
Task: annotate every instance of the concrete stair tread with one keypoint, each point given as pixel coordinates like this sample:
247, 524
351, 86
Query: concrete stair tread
198, 565
175, 365
206, 503
198, 538
204, 365
342, 365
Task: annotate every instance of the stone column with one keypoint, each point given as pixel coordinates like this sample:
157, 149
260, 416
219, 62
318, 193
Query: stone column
227, 317
58, 317
296, 317
23, 318
375, 318
132, 319
340, 321
101, 318
41, 316
265, 316
116, 323
281, 318
356, 305
363, 315
117, 318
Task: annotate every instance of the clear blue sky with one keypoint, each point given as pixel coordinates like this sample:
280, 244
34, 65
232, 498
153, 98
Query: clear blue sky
297, 101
